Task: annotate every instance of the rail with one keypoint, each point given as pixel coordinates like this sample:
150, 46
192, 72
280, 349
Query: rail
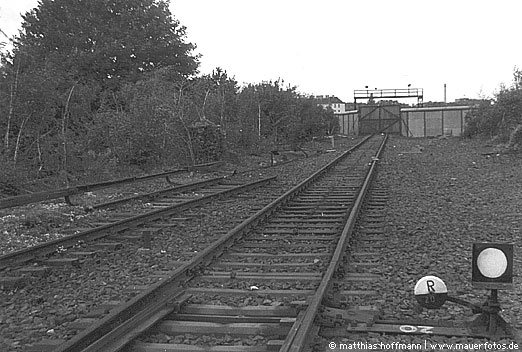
181, 188
67, 192
296, 342
166, 296
27, 254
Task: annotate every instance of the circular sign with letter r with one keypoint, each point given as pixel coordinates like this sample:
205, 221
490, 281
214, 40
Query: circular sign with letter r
431, 292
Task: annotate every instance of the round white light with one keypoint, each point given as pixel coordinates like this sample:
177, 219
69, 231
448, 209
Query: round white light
492, 263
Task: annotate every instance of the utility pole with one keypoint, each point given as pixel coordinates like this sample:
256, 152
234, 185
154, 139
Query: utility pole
444, 92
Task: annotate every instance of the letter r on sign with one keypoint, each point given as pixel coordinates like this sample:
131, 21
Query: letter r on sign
431, 285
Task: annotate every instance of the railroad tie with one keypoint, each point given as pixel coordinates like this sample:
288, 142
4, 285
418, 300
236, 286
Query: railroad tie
147, 235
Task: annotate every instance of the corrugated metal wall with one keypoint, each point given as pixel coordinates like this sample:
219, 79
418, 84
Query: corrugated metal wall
434, 121
416, 122
349, 123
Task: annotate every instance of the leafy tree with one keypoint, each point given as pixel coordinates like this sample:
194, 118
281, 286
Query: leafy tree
269, 110
276, 108
222, 103
245, 131
73, 57
153, 124
107, 41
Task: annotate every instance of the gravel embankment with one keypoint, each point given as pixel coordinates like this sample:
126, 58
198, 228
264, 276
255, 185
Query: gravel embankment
46, 308
445, 195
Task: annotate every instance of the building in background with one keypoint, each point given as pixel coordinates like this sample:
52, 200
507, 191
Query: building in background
472, 102
336, 104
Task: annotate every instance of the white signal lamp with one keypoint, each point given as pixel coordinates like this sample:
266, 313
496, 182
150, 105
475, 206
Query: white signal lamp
492, 266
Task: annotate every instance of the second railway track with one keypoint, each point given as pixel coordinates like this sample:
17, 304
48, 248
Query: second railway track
259, 287
165, 208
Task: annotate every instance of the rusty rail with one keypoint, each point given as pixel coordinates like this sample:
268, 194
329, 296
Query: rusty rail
130, 320
302, 327
30, 253
68, 192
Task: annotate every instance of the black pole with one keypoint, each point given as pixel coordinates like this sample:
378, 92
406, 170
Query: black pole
495, 309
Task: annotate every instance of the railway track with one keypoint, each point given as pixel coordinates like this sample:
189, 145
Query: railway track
353, 301
157, 196
258, 288
119, 227
67, 193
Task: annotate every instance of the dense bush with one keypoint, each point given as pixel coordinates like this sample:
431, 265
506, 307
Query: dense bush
77, 101
9, 179
62, 87
501, 117
208, 143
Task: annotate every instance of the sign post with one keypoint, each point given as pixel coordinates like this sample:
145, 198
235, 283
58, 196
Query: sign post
492, 268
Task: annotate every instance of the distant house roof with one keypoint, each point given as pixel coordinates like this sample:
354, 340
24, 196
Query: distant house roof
328, 99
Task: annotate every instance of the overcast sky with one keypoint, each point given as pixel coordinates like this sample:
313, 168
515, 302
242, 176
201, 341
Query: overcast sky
331, 47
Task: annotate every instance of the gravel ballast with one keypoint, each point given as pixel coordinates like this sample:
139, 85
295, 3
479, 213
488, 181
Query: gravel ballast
47, 307
443, 196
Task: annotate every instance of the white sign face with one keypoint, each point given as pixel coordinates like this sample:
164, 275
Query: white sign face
492, 263
431, 292
430, 284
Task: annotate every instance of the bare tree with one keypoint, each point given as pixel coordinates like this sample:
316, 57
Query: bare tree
64, 134
12, 96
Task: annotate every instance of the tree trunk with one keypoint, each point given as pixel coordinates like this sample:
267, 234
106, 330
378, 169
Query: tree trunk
203, 118
259, 119
64, 136
40, 162
222, 117
14, 88
17, 146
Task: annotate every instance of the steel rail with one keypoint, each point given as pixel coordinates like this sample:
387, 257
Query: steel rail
69, 191
300, 332
129, 320
27, 254
181, 188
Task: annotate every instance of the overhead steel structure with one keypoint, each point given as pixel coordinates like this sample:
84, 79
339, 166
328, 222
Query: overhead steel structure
388, 94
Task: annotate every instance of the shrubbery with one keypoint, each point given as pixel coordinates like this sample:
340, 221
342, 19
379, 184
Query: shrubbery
83, 105
501, 119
